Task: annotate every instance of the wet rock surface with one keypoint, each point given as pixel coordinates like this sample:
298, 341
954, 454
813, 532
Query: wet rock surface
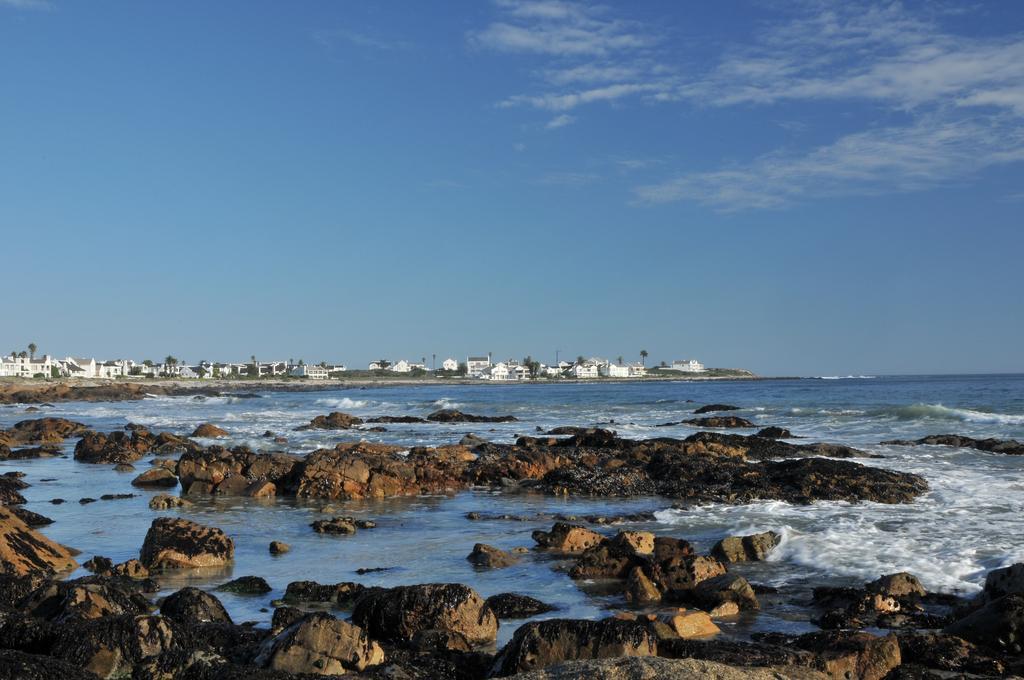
335, 420
1010, 447
179, 543
398, 614
23, 550
456, 416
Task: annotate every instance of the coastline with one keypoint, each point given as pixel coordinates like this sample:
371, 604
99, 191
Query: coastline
40, 391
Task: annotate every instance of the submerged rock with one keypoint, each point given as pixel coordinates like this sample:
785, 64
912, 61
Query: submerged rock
515, 606
451, 415
1010, 447
490, 557
720, 421
246, 585
712, 408
333, 421
41, 431
156, 477
209, 431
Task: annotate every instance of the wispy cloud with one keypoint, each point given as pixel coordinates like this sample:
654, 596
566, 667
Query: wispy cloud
560, 121
568, 179
931, 152
27, 4
334, 37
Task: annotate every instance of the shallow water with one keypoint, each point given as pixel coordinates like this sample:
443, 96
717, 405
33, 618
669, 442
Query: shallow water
970, 522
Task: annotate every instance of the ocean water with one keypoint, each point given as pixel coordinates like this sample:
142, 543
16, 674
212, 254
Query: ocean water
970, 522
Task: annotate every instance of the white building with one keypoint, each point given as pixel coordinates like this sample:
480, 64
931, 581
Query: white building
610, 370
378, 365
498, 371
520, 372
588, 369
475, 366
309, 371
688, 366
79, 367
117, 368
637, 370
26, 367
401, 366
450, 364
336, 369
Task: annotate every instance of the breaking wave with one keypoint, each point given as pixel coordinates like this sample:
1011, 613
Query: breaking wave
940, 412
344, 402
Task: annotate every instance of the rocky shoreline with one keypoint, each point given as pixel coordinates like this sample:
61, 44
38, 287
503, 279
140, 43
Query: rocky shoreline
670, 598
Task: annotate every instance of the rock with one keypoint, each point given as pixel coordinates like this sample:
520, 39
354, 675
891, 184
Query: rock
311, 592
774, 433
124, 467
24, 550
41, 431
851, 655
714, 592
720, 421
398, 614
752, 548
332, 421
712, 408
455, 416
246, 585
156, 477
640, 589
165, 501
685, 573
279, 547
114, 448
15, 665
901, 585
115, 646
33, 519
515, 606
285, 616
209, 431
471, 440
1006, 581
179, 543
83, 599
567, 538
634, 542
320, 644
543, 643
130, 569
1009, 447
947, 653
655, 668
9, 487
692, 624
98, 564
490, 557
396, 419
999, 625
335, 525
192, 606
46, 451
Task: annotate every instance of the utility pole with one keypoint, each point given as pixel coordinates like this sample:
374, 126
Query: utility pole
556, 357
433, 362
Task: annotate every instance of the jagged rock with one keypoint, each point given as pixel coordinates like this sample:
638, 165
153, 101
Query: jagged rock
192, 606
311, 592
209, 431
841, 654
46, 451
567, 538
640, 589
130, 569
712, 408
1006, 581
41, 431
451, 415
246, 585
899, 585
82, 599
15, 665
773, 432
116, 447
33, 519
9, 488
24, 550
752, 548
232, 471
114, 646
156, 477
333, 421
1009, 447
999, 624
656, 668
165, 501
398, 614
179, 543
947, 653
279, 547
712, 593
692, 624
685, 573
395, 419
471, 440
543, 643
335, 525
515, 606
490, 557
720, 422
320, 644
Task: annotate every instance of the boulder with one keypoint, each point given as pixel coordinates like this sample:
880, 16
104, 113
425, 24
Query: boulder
398, 614
852, 655
179, 543
322, 645
192, 606
311, 592
15, 665
656, 668
720, 422
714, 592
692, 624
1006, 581
41, 431
640, 589
712, 408
156, 477
899, 586
1010, 447
115, 448
451, 415
490, 557
999, 625
773, 432
117, 646
515, 606
165, 501
279, 547
634, 542
246, 585
209, 431
24, 550
543, 643
567, 538
333, 421
335, 525
752, 548
83, 599
685, 573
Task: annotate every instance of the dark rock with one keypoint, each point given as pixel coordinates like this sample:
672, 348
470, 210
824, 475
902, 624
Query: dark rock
490, 557
192, 606
999, 625
1009, 447
774, 433
333, 421
246, 585
712, 408
82, 599
515, 606
1006, 581
114, 448
311, 592
322, 645
720, 421
455, 416
279, 547
32, 519
16, 665
179, 543
41, 431
398, 614
395, 419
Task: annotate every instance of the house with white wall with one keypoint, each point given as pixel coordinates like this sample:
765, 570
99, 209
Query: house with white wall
309, 371
26, 367
449, 364
475, 366
498, 371
688, 366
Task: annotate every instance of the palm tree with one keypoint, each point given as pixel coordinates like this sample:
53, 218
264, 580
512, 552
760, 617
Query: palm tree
643, 357
170, 361
580, 360
23, 354
147, 363
620, 360
14, 354
32, 350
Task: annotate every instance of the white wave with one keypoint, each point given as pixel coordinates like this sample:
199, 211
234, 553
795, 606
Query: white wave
344, 402
940, 412
445, 403
846, 377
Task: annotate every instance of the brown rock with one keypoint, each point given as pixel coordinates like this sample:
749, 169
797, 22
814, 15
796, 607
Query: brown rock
116, 448
640, 589
897, 586
332, 421
41, 431
320, 644
179, 543
279, 547
692, 624
635, 542
746, 548
209, 431
684, 573
24, 550
725, 588
165, 501
490, 557
156, 477
567, 538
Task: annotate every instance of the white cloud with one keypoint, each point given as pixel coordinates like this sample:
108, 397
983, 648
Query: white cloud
330, 38
570, 100
931, 152
560, 121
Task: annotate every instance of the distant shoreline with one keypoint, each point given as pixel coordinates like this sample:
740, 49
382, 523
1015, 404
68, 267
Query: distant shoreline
40, 391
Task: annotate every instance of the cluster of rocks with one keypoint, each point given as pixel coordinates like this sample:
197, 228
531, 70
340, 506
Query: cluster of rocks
1010, 447
341, 525
124, 447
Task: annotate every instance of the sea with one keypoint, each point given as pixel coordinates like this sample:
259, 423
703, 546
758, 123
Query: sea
971, 520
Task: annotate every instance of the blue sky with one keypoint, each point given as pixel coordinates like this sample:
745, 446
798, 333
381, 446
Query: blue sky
796, 188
